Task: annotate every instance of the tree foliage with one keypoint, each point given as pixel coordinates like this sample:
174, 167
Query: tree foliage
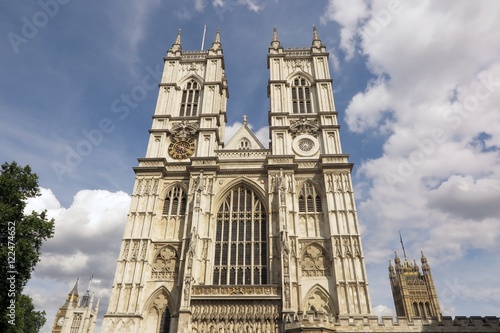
21, 237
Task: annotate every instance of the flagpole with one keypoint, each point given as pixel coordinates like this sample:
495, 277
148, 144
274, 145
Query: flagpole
402, 245
203, 40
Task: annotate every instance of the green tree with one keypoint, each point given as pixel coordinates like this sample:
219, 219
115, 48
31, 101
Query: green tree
21, 237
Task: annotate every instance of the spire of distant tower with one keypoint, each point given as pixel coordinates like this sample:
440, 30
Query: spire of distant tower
397, 261
275, 43
74, 291
90, 280
176, 46
425, 265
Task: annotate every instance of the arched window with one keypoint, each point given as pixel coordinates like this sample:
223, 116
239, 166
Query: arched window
165, 322
301, 96
309, 200
310, 209
190, 99
244, 144
175, 202
240, 240
415, 309
428, 309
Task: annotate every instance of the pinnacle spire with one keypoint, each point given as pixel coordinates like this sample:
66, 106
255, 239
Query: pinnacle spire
425, 265
424, 259
176, 46
315, 33
316, 43
275, 43
397, 261
216, 45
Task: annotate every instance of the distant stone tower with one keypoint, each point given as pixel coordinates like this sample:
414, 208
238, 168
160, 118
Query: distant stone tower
78, 314
413, 291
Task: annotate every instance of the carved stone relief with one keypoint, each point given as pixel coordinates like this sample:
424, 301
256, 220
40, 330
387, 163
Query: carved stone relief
304, 126
315, 261
319, 301
166, 264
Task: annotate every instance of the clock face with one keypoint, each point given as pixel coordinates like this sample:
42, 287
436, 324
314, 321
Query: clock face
181, 149
60, 321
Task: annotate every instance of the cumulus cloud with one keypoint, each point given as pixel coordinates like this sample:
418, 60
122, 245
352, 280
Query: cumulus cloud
462, 196
86, 239
434, 102
348, 14
382, 310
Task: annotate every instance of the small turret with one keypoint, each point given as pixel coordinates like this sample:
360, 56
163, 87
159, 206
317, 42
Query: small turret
216, 45
425, 265
176, 46
275, 43
391, 269
317, 44
397, 261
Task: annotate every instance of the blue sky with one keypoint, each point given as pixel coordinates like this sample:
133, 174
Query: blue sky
416, 86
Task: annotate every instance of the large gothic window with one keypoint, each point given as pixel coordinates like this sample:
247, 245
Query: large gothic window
190, 99
240, 240
301, 96
175, 202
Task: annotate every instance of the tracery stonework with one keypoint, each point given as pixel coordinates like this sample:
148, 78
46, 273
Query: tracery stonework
315, 261
165, 265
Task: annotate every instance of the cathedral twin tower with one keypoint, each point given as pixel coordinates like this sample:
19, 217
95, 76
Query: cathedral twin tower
236, 237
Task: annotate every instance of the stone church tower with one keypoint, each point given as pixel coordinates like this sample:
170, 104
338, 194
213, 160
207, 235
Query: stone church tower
413, 291
236, 237
78, 314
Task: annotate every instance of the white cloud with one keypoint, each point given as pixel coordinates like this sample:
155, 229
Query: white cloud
86, 239
367, 109
348, 14
434, 102
462, 196
382, 310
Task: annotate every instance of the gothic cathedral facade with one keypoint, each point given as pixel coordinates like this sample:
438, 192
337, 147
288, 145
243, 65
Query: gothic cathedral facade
238, 237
